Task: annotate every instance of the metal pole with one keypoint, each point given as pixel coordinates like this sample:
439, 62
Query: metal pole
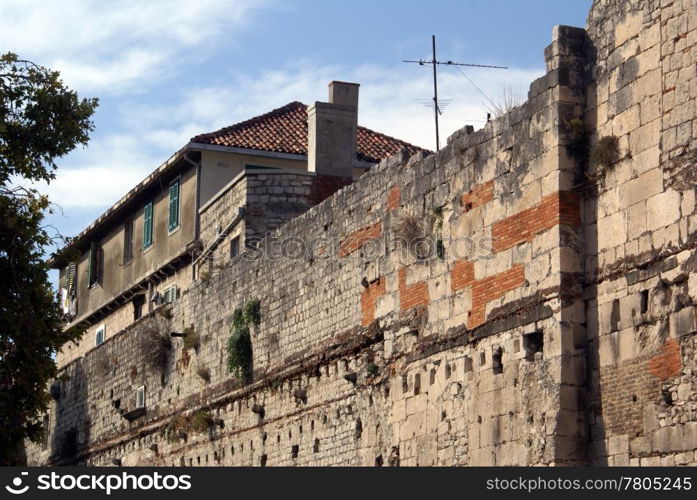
435, 92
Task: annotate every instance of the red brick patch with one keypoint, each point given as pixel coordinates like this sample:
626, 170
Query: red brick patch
478, 196
394, 197
369, 300
558, 208
668, 363
484, 290
357, 239
411, 295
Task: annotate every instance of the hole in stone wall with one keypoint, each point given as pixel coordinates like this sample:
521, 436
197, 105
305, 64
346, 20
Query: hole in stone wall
448, 370
532, 344
667, 397
615, 315
417, 384
300, 429
468, 364
232, 450
405, 384
497, 361
315, 446
294, 451
644, 308
312, 425
432, 377
262, 461
359, 429
482, 358
378, 461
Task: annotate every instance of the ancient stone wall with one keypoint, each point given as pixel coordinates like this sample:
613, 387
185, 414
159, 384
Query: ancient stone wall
639, 213
524, 296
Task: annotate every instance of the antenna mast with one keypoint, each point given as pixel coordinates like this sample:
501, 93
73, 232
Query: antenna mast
435, 62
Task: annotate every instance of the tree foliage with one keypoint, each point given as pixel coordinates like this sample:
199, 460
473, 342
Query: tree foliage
41, 120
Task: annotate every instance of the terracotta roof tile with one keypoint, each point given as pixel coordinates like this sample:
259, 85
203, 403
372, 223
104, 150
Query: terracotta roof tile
284, 130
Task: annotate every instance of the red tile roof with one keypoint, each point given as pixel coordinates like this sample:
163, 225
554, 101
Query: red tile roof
284, 130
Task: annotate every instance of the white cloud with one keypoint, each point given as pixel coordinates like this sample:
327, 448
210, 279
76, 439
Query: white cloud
391, 99
112, 46
389, 103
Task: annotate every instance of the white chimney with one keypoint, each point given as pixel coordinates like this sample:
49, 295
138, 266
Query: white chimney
331, 131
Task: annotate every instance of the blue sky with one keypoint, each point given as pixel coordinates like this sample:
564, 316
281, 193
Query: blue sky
165, 70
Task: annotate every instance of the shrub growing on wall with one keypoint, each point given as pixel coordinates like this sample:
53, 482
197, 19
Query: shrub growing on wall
239, 346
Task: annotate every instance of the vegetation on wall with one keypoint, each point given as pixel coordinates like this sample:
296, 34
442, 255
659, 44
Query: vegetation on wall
179, 427
156, 348
605, 153
578, 144
192, 339
203, 373
239, 346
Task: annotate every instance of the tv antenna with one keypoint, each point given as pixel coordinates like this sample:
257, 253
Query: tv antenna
435, 62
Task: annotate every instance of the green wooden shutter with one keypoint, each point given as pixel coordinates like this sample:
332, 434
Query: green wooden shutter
174, 205
147, 225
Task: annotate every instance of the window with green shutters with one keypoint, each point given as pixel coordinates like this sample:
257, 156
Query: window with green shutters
147, 225
174, 205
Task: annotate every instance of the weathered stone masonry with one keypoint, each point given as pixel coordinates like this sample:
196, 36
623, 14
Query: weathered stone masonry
556, 326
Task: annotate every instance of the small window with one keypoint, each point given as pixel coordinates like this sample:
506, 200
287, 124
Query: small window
138, 304
100, 335
96, 264
140, 397
497, 361
147, 225
171, 294
128, 241
173, 205
532, 344
235, 247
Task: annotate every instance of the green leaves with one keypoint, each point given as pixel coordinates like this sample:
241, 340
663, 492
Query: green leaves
40, 121
239, 346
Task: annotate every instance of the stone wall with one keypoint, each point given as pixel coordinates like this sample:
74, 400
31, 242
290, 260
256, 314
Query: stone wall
522, 297
640, 233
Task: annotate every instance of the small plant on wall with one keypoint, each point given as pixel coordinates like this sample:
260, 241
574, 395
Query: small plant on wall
192, 340
156, 348
176, 429
204, 373
605, 152
201, 421
239, 346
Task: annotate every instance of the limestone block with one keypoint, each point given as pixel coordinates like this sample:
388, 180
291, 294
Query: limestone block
683, 322
668, 439
612, 230
626, 121
636, 220
645, 137
662, 209
628, 28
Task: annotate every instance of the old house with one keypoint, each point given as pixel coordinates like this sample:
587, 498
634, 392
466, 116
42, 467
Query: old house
199, 209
